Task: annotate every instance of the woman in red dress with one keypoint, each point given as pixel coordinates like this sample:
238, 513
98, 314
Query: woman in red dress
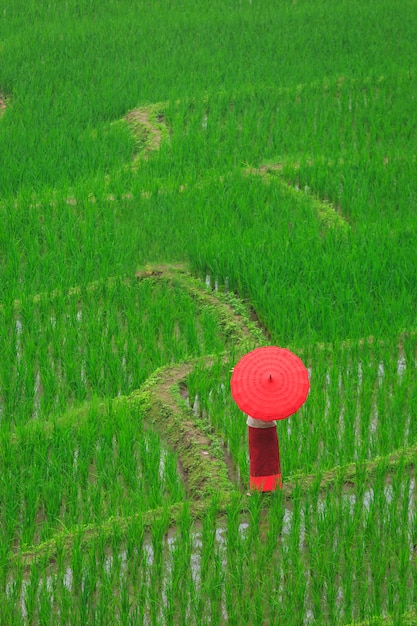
265, 466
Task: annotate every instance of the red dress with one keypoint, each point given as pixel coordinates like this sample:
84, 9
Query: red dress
265, 466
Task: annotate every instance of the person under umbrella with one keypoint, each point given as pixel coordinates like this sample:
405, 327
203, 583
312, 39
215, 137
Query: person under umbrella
268, 384
264, 461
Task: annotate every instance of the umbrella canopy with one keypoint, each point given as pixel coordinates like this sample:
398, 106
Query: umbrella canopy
270, 383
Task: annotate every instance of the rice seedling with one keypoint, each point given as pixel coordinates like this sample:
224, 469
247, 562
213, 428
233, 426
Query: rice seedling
251, 562
283, 173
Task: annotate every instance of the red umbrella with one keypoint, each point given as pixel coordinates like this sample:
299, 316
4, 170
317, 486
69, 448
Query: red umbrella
270, 383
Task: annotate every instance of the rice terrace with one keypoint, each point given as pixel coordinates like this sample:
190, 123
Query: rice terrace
180, 183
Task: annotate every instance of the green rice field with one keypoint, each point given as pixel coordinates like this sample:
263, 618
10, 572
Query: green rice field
181, 182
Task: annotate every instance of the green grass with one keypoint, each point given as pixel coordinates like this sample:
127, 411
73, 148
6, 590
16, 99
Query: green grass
272, 154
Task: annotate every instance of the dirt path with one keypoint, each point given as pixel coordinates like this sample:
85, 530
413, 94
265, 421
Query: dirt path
203, 472
329, 215
149, 128
2, 106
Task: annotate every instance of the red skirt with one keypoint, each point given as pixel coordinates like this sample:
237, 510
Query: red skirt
265, 466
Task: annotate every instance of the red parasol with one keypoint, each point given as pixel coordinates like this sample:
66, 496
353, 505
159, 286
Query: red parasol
270, 383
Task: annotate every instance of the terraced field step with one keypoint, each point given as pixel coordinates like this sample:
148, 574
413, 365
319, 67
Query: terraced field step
165, 410
297, 486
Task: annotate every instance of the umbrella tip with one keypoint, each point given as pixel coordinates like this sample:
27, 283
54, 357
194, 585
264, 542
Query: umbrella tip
270, 377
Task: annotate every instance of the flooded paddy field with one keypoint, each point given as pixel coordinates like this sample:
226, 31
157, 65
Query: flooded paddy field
327, 553
99, 507
179, 184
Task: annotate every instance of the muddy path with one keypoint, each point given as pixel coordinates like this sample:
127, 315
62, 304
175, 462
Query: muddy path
203, 471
